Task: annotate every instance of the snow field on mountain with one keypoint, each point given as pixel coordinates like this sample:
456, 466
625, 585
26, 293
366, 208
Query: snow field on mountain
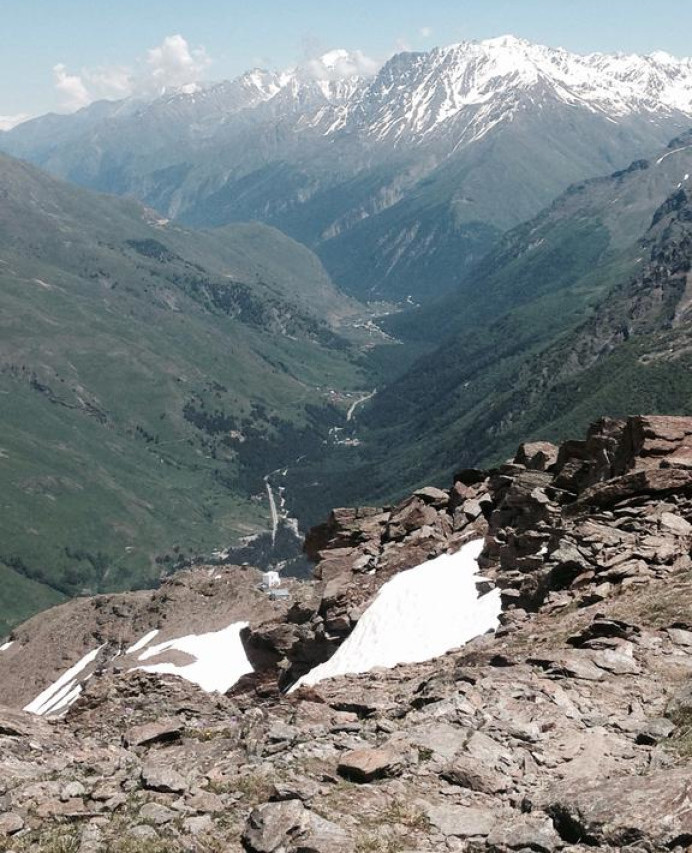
63, 692
219, 658
418, 615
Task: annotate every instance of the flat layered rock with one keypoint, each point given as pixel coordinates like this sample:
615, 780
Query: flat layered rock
365, 765
158, 732
463, 821
161, 777
655, 809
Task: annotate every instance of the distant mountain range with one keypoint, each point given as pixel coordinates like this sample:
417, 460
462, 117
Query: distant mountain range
400, 181
158, 377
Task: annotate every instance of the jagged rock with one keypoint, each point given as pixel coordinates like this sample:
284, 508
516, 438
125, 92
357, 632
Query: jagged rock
72, 790
576, 665
198, 825
673, 522
680, 704
365, 765
655, 730
160, 731
274, 826
10, 824
651, 482
19, 724
654, 809
324, 836
413, 514
525, 832
436, 497
205, 801
537, 455
469, 773
161, 777
681, 637
157, 814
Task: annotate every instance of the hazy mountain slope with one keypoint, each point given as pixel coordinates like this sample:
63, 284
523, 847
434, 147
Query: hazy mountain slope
396, 180
527, 340
151, 377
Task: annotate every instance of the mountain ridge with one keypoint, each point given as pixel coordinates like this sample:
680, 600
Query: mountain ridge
480, 135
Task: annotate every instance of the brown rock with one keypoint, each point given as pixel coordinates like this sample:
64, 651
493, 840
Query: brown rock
10, 824
525, 832
364, 765
161, 777
271, 827
462, 821
654, 809
537, 455
436, 497
159, 732
469, 773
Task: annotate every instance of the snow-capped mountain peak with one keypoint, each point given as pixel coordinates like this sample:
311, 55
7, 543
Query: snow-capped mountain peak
461, 91
471, 86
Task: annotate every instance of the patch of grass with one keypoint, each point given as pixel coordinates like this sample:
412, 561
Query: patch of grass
143, 845
681, 741
381, 832
403, 813
53, 839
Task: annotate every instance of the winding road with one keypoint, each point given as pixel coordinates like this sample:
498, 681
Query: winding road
359, 402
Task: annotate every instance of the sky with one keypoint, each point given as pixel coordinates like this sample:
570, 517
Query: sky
59, 55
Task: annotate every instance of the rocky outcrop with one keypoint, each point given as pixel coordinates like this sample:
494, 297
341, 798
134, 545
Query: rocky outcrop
568, 729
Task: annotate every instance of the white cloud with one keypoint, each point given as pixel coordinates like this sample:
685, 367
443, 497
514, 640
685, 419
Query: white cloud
173, 64
341, 64
71, 87
8, 122
170, 65
426, 32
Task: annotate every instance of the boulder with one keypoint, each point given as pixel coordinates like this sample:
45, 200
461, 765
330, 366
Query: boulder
365, 765
469, 773
158, 732
273, 826
10, 823
654, 810
162, 777
436, 497
537, 455
525, 832
462, 821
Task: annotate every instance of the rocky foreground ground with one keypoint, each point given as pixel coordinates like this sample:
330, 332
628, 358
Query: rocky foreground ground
570, 728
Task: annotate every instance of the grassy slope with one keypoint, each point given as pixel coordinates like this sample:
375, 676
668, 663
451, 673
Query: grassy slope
498, 377
147, 374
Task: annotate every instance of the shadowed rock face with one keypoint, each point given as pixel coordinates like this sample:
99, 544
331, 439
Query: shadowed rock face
570, 728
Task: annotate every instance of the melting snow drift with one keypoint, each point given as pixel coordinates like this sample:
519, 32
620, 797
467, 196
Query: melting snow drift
62, 693
219, 658
418, 615
142, 642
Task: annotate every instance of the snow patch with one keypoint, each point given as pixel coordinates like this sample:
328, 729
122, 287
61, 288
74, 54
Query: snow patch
65, 689
144, 641
6, 646
220, 659
418, 615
